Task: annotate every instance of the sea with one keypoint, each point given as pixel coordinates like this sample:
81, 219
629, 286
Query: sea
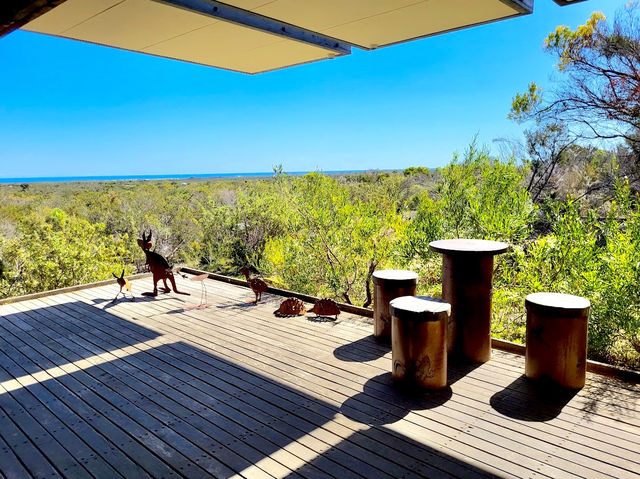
59, 179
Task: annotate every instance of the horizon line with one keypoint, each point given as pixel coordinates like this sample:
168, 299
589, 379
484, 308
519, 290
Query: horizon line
70, 179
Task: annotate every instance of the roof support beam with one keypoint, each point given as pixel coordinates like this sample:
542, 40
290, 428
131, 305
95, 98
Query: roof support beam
256, 21
523, 6
564, 3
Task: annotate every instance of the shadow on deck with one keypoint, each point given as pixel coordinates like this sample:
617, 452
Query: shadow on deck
146, 388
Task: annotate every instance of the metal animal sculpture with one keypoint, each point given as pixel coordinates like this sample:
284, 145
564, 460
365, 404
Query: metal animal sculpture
158, 266
290, 307
201, 278
325, 307
257, 285
123, 283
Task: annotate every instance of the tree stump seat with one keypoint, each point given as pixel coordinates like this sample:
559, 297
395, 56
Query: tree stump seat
389, 284
419, 341
557, 338
467, 284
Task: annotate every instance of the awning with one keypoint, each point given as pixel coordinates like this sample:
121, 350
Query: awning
254, 36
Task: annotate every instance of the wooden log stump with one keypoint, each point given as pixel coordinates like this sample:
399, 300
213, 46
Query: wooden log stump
419, 341
389, 284
557, 338
467, 284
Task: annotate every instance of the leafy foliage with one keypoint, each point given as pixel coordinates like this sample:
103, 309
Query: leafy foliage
598, 96
54, 249
325, 235
336, 240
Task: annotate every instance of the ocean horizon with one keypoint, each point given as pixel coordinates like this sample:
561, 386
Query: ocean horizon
70, 179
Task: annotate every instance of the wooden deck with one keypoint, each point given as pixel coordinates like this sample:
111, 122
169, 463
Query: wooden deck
136, 389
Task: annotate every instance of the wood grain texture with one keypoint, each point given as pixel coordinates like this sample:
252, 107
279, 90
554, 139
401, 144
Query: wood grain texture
151, 388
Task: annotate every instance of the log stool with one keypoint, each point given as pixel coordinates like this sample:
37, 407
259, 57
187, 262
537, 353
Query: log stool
557, 338
389, 284
419, 341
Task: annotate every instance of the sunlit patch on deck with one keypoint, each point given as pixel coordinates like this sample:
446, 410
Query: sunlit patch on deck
151, 388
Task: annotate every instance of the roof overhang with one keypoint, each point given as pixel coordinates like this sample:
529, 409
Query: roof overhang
16, 13
254, 36
564, 3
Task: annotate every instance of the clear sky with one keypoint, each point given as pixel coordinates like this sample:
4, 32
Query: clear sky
71, 109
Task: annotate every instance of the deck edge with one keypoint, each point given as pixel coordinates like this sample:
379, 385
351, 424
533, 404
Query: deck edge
596, 367
347, 308
68, 289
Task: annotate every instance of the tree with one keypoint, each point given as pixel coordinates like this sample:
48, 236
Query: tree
336, 238
599, 95
545, 147
53, 249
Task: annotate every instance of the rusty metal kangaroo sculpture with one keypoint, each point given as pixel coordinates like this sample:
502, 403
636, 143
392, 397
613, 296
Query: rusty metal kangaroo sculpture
158, 266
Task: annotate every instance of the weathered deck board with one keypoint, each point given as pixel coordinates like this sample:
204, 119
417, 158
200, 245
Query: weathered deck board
90, 388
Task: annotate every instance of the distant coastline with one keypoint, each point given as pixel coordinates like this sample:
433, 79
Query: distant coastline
71, 179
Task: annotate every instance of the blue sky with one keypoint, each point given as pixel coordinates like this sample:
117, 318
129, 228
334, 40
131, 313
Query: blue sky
71, 109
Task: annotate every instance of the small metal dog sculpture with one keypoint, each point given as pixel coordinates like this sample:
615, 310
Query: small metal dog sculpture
123, 283
158, 266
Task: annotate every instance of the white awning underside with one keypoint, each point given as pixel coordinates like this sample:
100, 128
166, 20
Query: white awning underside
155, 28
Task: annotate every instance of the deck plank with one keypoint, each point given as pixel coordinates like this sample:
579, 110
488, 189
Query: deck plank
270, 326
293, 383
146, 382
94, 388
592, 473
344, 459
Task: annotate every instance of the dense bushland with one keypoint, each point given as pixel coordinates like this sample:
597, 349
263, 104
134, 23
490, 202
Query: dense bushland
325, 235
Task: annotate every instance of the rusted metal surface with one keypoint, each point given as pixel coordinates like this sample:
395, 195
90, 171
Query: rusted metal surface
159, 267
257, 285
467, 284
124, 284
290, 307
418, 341
389, 284
557, 338
326, 307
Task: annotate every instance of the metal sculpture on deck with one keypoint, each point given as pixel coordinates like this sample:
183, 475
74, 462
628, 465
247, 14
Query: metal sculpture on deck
257, 285
159, 267
123, 283
203, 292
325, 307
290, 307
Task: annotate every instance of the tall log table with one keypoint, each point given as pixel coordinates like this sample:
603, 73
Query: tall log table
467, 284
